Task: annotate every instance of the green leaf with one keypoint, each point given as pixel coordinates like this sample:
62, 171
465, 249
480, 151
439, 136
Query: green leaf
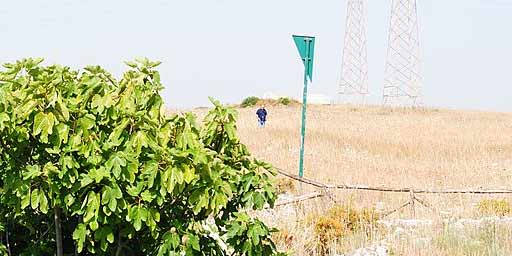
150, 172
194, 241
43, 203
92, 207
69, 200
112, 204
52, 96
63, 110
62, 132
138, 215
139, 140
79, 235
115, 138
87, 122
132, 169
110, 196
25, 200
98, 174
24, 111
156, 215
49, 168
176, 178
97, 103
106, 195
131, 64
31, 172
220, 200
86, 180
116, 192
115, 163
4, 121
135, 190
231, 131
147, 196
110, 237
104, 233
188, 174
75, 142
43, 126
34, 199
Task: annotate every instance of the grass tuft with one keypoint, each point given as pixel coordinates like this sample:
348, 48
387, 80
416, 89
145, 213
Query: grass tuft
340, 221
494, 207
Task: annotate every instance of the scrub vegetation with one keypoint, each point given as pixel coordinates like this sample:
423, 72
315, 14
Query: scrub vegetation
393, 147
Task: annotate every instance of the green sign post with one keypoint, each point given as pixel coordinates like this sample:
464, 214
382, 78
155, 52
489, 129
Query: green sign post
306, 47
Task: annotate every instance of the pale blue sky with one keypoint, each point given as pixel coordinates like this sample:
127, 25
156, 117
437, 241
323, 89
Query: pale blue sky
230, 49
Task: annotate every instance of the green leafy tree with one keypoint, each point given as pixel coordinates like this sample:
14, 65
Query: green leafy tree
93, 165
249, 101
284, 101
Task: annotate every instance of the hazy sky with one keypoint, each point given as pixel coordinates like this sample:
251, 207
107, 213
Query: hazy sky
230, 49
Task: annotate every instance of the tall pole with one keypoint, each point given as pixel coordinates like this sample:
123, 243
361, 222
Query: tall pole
306, 47
304, 107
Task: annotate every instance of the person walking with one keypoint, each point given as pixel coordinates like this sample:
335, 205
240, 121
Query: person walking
262, 116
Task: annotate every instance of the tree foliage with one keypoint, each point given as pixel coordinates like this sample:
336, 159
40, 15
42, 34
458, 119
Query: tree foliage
249, 101
125, 178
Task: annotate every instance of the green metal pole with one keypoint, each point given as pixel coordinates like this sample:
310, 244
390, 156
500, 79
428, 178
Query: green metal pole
304, 106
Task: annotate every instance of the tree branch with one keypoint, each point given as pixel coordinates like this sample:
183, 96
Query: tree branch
58, 231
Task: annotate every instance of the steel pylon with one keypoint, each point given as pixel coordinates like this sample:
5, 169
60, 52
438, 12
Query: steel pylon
353, 80
403, 74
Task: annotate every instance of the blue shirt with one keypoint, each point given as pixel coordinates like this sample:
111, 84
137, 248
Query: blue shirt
262, 114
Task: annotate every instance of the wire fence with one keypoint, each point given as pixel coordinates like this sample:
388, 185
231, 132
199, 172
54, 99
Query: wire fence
391, 189
325, 188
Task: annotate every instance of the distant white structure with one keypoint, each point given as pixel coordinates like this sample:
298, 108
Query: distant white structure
270, 96
319, 99
314, 99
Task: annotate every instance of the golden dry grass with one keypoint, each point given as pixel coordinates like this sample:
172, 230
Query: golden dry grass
394, 147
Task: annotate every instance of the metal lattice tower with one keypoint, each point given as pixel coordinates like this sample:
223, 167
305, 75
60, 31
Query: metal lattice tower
403, 80
353, 85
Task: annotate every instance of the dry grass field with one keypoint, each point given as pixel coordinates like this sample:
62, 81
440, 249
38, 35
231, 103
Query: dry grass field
394, 147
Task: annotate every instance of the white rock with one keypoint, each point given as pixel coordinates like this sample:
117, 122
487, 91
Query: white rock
376, 250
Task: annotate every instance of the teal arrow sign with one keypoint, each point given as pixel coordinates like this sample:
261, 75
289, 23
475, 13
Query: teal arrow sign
306, 47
